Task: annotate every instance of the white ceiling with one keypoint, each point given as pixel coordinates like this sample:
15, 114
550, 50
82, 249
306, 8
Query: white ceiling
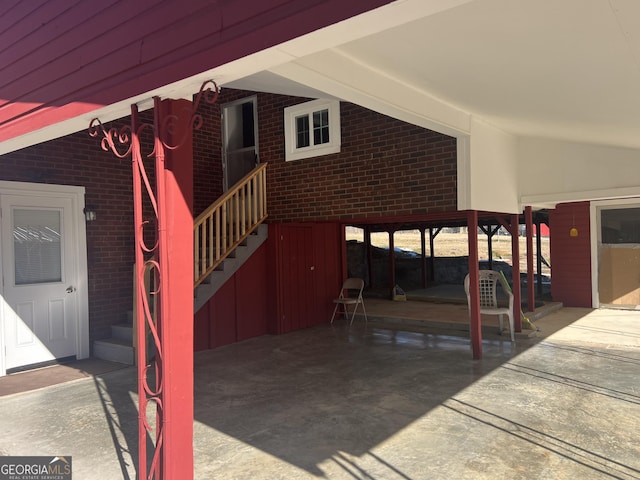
565, 69
562, 69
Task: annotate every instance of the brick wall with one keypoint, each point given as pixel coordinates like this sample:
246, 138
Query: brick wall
207, 159
570, 256
79, 160
385, 168
207, 151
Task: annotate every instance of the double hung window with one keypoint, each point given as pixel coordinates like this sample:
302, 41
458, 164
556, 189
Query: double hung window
312, 129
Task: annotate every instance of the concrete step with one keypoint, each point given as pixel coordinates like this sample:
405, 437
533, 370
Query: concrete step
114, 350
123, 331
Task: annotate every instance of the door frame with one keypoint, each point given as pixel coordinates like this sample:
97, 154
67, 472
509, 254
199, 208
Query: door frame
79, 247
595, 221
224, 131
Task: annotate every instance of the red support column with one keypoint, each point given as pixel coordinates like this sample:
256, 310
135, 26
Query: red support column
515, 273
474, 286
344, 264
531, 298
392, 262
175, 224
369, 256
423, 257
165, 374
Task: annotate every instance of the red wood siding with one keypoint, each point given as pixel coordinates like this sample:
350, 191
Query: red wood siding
222, 316
238, 310
307, 261
251, 293
570, 256
61, 60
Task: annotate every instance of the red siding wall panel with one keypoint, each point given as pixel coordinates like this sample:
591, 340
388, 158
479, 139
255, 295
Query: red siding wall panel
202, 328
251, 287
239, 309
570, 256
306, 263
131, 47
222, 311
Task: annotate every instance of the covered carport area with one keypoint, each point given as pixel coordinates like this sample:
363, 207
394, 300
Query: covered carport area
372, 403
504, 100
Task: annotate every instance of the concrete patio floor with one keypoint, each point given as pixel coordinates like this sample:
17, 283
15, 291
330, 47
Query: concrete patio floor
374, 403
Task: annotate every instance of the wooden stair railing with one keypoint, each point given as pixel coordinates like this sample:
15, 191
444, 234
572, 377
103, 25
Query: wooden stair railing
229, 221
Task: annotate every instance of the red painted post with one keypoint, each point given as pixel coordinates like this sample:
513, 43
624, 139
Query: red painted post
369, 255
423, 256
344, 266
392, 262
474, 285
170, 259
175, 224
531, 298
515, 273
141, 294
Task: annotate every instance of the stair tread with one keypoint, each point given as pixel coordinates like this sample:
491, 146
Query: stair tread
114, 341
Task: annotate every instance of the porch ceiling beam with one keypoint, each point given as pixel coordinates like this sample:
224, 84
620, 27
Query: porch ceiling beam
343, 76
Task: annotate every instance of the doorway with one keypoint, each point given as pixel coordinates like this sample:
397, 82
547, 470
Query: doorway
44, 310
239, 139
618, 254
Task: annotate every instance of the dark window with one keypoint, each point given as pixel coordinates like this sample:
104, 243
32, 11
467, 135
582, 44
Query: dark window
302, 131
321, 127
620, 225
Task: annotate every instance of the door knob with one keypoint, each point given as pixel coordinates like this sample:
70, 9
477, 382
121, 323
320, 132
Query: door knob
71, 289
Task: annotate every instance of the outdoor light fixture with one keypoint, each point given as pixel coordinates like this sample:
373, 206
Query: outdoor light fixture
573, 232
89, 215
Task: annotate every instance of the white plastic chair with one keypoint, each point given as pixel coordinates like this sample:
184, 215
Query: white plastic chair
488, 301
350, 285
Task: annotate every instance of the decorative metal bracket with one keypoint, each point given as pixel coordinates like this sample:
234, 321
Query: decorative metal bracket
151, 256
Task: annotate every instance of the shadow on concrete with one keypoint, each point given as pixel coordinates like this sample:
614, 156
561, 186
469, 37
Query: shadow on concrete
307, 396
382, 403
373, 403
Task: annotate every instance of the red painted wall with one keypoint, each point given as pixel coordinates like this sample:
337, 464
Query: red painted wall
239, 309
306, 262
570, 256
130, 47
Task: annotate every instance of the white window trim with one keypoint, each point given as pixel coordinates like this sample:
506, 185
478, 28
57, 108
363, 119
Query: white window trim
290, 114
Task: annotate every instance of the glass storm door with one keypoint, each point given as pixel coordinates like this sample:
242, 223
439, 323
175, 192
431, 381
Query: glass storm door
39, 301
240, 139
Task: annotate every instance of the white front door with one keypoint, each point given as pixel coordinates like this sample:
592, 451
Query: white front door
40, 281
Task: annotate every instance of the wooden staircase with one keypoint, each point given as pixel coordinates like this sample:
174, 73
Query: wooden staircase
225, 235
